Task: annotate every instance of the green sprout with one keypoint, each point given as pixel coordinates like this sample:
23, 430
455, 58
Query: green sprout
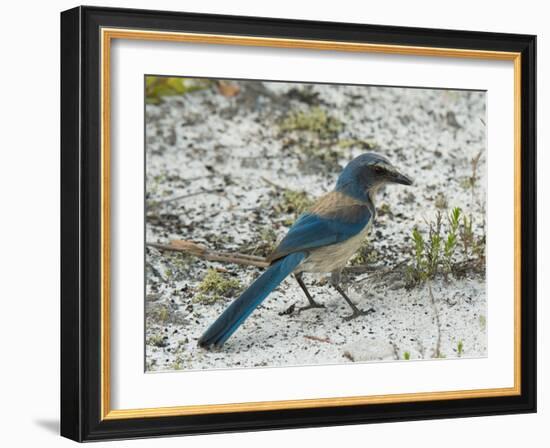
436, 253
452, 238
419, 246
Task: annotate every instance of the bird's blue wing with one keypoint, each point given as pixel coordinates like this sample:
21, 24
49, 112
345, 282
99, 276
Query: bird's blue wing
311, 230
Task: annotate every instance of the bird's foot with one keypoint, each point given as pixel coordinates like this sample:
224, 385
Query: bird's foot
357, 312
288, 311
310, 306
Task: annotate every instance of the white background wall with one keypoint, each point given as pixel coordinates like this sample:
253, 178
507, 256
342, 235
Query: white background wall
29, 223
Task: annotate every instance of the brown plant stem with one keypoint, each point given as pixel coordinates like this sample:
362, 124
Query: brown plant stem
201, 251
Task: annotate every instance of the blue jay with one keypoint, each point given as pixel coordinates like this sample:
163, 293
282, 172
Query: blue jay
321, 240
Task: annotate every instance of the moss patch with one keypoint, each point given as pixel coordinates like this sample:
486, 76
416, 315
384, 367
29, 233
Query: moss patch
314, 132
157, 340
294, 202
356, 143
214, 286
314, 120
157, 87
365, 255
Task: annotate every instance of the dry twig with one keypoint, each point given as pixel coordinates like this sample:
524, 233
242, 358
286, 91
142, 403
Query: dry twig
317, 339
202, 251
437, 350
273, 184
349, 356
158, 202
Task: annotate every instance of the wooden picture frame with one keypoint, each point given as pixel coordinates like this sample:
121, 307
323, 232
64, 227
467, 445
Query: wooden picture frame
86, 36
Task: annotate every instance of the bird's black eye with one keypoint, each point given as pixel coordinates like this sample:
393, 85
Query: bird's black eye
378, 169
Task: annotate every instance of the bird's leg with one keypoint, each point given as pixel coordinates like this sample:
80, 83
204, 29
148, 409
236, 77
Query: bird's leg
356, 312
312, 303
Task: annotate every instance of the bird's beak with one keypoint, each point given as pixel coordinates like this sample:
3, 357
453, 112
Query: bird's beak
400, 178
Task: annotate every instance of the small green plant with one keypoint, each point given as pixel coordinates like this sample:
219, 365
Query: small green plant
441, 201
157, 340
164, 314
157, 87
314, 120
418, 271
406, 356
268, 238
314, 132
356, 143
294, 202
437, 253
366, 254
460, 348
268, 234
466, 182
159, 313
175, 265
178, 363
384, 210
214, 286
179, 260
482, 322
426, 253
452, 238
434, 247
262, 246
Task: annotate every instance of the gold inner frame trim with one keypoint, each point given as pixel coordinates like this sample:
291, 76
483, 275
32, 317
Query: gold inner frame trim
107, 35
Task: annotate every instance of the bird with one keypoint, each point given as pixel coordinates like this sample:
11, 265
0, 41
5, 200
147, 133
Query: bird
321, 240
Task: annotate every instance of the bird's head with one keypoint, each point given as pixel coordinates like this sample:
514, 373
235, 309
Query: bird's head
366, 173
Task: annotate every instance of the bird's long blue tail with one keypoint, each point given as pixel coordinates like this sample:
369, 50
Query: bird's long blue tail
240, 309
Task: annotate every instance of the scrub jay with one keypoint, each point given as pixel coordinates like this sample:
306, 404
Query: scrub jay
321, 240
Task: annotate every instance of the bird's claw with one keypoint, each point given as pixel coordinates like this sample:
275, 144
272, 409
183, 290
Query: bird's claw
311, 306
357, 312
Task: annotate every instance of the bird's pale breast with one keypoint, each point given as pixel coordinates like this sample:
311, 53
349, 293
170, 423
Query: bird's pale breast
333, 257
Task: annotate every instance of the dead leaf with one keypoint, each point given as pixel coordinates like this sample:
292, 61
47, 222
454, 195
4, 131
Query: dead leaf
228, 89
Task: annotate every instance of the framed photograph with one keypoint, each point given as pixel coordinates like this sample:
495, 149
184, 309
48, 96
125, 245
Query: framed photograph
273, 224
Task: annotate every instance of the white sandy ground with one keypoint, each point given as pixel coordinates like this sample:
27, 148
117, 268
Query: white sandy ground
228, 152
